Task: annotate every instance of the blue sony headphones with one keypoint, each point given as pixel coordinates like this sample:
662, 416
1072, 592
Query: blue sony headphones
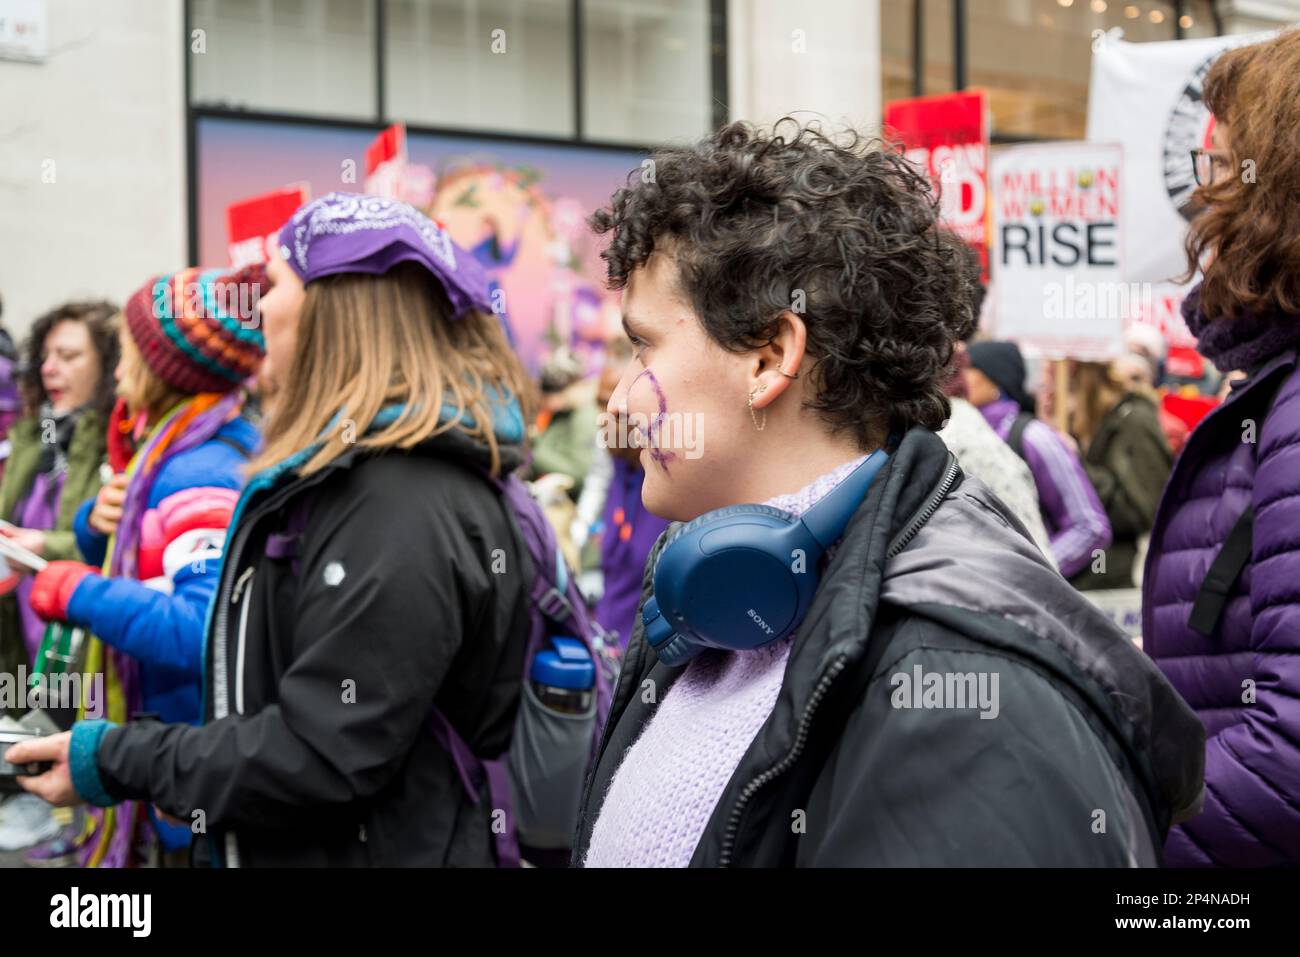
742, 576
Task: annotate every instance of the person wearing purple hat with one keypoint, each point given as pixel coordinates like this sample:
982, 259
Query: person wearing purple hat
371, 571
351, 233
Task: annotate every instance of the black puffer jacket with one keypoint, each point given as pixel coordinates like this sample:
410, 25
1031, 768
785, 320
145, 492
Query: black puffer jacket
317, 748
1091, 755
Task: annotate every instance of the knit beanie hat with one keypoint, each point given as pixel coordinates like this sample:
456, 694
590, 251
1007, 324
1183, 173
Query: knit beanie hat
1005, 366
198, 329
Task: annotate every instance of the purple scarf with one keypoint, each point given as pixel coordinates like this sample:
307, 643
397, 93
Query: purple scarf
40, 509
1243, 341
200, 430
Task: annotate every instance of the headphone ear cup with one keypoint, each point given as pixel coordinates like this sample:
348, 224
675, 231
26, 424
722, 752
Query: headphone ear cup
682, 528
678, 650
723, 580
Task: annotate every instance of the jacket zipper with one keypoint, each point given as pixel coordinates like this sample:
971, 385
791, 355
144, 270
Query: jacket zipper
945, 485
225, 598
827, 679
243, 590
800, 740
220, 678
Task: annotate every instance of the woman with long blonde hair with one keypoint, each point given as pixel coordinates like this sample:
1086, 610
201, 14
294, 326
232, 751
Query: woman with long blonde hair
372, 572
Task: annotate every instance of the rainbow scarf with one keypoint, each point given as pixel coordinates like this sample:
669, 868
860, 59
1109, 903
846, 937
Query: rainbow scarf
110, 833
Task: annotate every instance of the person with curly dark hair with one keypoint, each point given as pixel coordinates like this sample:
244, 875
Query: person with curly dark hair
938, 695
58, 446
1220, 596
56, 451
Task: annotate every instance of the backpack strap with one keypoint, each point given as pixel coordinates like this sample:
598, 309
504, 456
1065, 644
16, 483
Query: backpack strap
555, 596
554, 591
1223, 574
473, 772
286, 545
1016, 437
1235, 554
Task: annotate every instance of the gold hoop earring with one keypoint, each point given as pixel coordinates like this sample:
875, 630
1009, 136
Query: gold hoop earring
758, 426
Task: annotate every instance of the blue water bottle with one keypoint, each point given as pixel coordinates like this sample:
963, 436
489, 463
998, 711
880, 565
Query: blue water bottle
564, 676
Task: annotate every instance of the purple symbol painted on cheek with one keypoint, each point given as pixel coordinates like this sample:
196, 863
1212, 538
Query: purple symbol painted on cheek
660, 457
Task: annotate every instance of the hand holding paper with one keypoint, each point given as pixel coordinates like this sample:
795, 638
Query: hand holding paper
22, 547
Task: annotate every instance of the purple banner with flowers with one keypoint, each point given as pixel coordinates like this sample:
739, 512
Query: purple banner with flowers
520, 208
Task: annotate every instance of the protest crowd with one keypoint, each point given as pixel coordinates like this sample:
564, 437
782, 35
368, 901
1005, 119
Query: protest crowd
807, 562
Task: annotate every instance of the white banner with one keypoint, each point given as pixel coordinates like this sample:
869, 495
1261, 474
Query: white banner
1147, 97
23, 30
1058, 249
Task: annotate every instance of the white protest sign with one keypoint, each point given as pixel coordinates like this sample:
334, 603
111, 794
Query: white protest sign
23, 30
1058, 249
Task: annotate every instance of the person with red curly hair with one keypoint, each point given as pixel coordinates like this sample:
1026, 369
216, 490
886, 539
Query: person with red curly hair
1221, 593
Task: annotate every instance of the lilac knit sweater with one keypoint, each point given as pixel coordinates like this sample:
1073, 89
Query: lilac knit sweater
664, 792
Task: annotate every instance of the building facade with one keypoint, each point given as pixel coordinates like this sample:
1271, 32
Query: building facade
104, 179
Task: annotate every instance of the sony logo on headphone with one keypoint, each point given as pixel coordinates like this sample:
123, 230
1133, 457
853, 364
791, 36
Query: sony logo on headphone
760, 622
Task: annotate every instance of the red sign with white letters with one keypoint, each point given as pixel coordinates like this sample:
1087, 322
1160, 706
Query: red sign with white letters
253, 225
948, 136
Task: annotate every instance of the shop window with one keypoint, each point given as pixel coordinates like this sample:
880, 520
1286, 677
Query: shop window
313, 57
500, 65
647, 73
1034, 57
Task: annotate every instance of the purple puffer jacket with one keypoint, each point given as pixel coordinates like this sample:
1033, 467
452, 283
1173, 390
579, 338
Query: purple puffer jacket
1251, 815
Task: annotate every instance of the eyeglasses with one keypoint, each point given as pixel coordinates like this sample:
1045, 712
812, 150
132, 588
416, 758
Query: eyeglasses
1205, 163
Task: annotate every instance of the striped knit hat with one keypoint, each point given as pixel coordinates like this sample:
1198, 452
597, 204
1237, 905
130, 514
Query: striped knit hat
198, 329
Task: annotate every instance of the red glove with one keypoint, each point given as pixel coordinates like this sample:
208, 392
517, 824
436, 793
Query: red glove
53, 588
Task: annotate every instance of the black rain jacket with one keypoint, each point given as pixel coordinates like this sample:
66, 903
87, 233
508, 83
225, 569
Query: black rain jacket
411, 590
1092, 753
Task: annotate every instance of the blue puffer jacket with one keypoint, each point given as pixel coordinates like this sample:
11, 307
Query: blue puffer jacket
159, 619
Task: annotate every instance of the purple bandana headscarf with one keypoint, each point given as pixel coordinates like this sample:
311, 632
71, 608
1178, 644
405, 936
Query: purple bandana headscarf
348, 232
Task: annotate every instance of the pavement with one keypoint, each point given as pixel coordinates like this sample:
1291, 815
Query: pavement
13, 858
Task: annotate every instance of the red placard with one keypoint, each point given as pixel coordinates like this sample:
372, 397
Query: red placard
948, 136
1190, 408
390, 144
1185, 362
253, 225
